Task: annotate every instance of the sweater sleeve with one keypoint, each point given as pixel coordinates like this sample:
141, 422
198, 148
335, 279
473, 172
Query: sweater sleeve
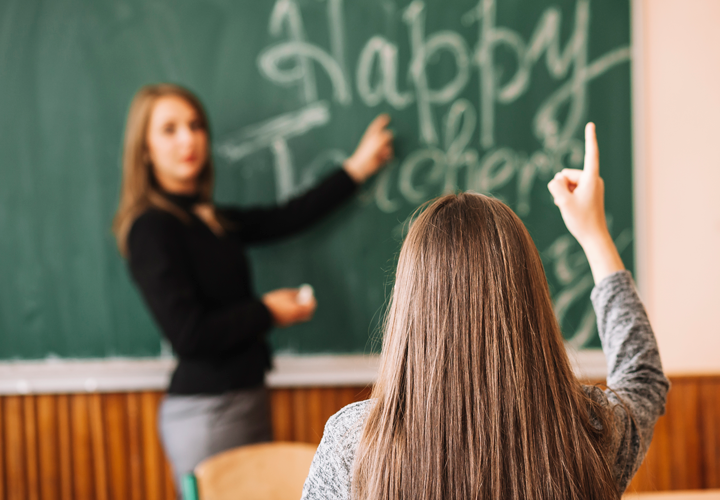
637, 386
162, 272
269, 223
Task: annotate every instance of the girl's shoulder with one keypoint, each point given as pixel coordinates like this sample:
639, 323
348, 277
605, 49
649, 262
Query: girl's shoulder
345, 427
349, 415
330, 474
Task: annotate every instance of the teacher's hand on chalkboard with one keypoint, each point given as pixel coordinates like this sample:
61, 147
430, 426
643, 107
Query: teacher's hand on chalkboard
373, 151
579, 194
285, 309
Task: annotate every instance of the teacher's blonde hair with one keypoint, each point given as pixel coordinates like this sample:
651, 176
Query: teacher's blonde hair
476, 398
140, 190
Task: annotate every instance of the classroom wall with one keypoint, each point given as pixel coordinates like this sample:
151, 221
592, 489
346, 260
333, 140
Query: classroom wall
680, 214
679, 237
104, 446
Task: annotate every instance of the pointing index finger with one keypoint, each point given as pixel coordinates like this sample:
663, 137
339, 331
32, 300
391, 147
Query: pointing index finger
380, 122
592, 161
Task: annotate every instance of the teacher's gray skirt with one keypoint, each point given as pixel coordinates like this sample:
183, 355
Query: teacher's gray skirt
193, 428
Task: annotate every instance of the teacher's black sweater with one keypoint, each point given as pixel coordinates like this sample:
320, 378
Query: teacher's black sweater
199, 288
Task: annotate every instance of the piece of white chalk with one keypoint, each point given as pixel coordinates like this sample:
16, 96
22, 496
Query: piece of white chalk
305, 294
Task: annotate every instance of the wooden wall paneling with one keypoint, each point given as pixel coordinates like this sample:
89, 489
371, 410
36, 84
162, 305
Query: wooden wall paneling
48, 456
710, 431
299, 415
281, 411
135, 455
81, 448
14, 449
330, 404
345, 396
64, 446
97, 439
31, 448
153, 458
315, 421
77, 447
683, 419
365, 393
655, 472
2, 449
115, 422
169, 482
348, 395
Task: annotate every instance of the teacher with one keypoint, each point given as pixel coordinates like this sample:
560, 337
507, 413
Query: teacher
188, 259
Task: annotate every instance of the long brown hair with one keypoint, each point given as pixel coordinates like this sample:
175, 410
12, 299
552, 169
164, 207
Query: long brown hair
476, 398
140, 190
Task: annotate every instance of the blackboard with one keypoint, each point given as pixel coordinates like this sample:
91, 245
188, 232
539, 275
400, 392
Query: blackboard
485, 95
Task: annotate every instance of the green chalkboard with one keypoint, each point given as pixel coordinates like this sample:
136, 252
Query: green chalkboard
486, 95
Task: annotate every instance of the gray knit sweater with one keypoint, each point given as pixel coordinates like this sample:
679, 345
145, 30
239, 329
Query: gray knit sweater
634, 374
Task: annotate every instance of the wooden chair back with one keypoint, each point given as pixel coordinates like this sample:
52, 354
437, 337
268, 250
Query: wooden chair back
267, 471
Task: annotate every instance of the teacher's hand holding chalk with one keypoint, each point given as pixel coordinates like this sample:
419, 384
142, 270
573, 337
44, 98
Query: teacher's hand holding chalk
305, 294
289, 306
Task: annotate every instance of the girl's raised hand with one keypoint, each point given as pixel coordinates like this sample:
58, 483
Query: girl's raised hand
374, 150
579, 194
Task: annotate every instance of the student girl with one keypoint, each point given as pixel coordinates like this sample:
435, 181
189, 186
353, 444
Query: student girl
475, 397
187, 257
